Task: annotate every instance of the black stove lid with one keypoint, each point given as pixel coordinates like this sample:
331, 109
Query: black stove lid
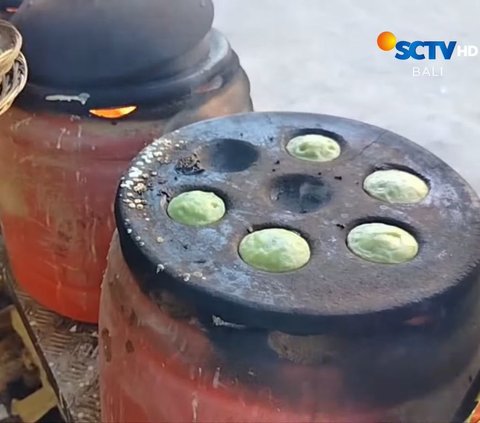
71, 43
114, 53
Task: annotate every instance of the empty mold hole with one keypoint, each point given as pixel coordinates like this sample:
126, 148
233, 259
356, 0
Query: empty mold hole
275, 250
382, 243
196, 208
228, 155
299, 193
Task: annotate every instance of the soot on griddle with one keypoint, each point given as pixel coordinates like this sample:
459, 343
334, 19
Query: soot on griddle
409, 326
337, 290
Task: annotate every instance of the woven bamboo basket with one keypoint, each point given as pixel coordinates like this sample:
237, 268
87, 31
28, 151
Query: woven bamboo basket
13, 66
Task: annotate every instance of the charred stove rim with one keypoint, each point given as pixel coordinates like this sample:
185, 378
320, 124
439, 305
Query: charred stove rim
456, 336
246, 313
221, 61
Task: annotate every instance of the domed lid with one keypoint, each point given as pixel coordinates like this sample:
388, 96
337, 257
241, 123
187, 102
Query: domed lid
99, 47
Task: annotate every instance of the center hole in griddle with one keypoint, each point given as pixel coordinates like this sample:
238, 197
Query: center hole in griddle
299, 193
228, 155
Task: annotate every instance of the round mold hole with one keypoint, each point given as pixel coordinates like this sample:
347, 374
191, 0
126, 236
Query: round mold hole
299, 193
197, 208
275, 250
314, 148
382, 243
228, 155
396, 186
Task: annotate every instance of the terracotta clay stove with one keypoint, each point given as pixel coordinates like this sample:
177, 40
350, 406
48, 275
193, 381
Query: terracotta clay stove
341, 339
106, 77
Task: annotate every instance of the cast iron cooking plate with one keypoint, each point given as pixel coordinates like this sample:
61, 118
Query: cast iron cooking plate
243, 158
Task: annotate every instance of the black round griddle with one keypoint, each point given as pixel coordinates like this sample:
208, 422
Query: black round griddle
244, 160
357, 315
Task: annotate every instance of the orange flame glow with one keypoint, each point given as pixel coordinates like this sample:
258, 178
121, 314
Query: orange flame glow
114, 113
475, 417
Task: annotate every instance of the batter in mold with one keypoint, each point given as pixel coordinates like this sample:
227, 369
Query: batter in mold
380, 243
314, 147
196, 208
275, 250
396, 187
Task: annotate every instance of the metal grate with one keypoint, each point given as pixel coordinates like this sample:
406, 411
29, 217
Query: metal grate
68, 352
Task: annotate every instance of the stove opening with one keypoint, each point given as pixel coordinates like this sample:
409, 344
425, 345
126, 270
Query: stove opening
113, 113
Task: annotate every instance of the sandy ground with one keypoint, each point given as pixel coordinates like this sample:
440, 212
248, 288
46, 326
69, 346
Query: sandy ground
318, 56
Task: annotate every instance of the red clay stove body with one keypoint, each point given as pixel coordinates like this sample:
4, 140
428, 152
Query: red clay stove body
189, 332
60, 163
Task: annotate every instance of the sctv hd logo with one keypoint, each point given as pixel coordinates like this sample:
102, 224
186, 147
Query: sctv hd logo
425, 50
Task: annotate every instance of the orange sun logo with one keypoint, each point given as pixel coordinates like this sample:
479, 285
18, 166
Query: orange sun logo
386, 41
